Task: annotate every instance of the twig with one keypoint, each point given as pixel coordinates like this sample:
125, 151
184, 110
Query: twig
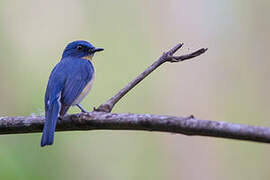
166, 57
146, 122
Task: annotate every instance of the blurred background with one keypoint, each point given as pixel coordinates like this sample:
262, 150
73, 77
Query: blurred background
228, 83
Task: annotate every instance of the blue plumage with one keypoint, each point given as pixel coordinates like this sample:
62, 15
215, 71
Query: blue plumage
69, 82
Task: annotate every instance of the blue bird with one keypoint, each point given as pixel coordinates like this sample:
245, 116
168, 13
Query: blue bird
69, 82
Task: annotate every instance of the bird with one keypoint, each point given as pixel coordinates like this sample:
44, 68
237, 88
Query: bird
69, 82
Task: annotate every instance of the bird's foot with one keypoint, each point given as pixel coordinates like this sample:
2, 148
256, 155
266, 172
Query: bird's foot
81, 108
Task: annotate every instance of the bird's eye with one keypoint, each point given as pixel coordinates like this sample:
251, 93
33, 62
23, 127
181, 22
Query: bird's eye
79, 47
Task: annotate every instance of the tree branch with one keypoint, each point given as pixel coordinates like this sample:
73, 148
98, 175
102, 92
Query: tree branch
166, 57
146, 122
102, 119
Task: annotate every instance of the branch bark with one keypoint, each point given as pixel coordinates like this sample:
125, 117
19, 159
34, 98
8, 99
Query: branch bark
146, 122
102, 119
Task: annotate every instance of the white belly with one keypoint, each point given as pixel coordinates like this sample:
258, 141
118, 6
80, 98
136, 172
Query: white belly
85, 91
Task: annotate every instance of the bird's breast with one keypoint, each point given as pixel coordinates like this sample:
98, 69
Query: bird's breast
85, 91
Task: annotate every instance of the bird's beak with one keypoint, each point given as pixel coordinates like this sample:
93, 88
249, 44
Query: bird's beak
97, 50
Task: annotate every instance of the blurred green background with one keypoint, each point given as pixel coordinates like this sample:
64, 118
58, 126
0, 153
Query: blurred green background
228, 83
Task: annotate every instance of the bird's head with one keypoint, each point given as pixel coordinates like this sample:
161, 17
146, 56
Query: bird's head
80, 49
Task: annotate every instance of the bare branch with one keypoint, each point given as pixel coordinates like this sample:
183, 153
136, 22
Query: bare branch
166, 57
187, 56
145, 122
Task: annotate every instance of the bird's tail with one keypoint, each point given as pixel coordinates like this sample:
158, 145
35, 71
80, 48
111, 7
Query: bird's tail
50, 123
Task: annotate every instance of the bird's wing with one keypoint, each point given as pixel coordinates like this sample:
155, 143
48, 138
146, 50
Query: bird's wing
55, 85
76, 80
